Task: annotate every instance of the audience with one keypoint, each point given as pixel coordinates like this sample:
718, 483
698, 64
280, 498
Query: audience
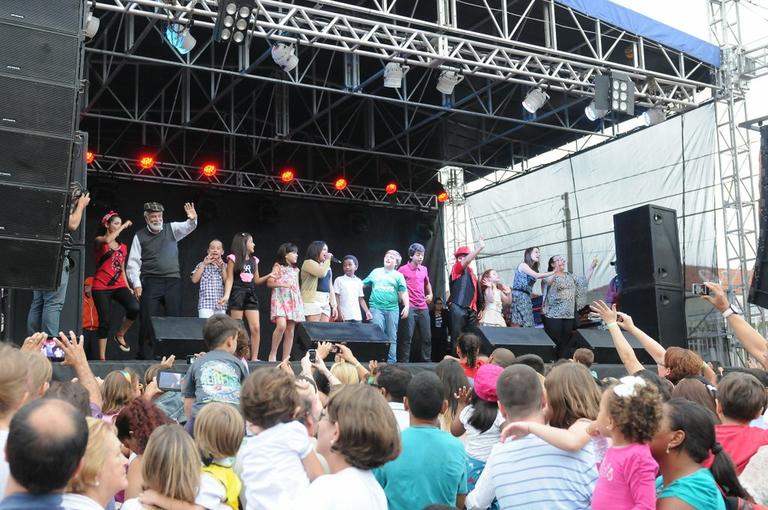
527, 472
454, 379
117, 391
46, 443
502, 357
12, 396
432, 465
585, 357
698, 391
393, 381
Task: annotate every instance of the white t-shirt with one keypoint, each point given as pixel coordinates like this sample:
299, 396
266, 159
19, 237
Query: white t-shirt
350, 290
479, 444
349, 489
79, 502
132, 504
401, 415
211, 494
270, 466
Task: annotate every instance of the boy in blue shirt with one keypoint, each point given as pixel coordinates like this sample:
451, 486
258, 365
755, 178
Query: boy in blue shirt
406, 481
387, 286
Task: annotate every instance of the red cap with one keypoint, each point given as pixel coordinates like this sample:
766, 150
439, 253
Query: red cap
462, 250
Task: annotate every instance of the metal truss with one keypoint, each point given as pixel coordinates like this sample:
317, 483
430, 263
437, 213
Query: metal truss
737, 176
170, 173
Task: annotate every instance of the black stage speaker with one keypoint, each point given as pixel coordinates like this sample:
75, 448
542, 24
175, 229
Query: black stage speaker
518, 340
366, 340
72, 313
40, 83
599, 341
647, 247
180, 336
758, 289
660, 312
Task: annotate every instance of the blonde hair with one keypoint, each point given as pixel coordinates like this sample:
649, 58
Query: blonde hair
396, 254
219, 431
345, 372
39, 372
116, 391
171, 463
13, 368
100, 435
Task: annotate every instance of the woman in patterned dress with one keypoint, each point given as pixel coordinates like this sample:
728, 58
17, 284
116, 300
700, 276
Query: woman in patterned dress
287, 307
526, 274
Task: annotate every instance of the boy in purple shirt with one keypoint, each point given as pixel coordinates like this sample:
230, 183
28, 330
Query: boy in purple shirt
419, 297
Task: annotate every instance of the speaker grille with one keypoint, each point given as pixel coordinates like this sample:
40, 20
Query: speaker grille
33, 53
35, 106
62, 15
34, 159
32, 213
29, 264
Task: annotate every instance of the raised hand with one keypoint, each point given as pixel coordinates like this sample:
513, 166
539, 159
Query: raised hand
463, 395
168, 362
34, 343
74, 353
717, 296
608, 314
189, 208
625, 321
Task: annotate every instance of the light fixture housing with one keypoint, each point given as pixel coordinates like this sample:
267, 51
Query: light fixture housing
92, 24
393, 75
209, 170
622, 93
340, 184
179, 37
233, 20
593, 113
284, 56
535, 99
391, 188
447, 81
653, 116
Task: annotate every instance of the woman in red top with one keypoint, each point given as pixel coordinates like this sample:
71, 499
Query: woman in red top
109, 282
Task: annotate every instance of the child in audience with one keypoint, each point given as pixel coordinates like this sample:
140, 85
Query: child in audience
358, 435
432, 465
349, 292
454, 379
171, 466
215, 376
286, 305
277, 461
39, 373
117, 390
468, 349
13, 368
169, 402
630, 413
480, 420
586, 357
387, 285
502, 356
210, 273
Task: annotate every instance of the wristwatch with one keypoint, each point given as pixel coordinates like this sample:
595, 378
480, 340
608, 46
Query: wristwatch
729, 311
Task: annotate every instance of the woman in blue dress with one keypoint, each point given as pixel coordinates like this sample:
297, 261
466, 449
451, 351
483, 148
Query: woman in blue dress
526, 274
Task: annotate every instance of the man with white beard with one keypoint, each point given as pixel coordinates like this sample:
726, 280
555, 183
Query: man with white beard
153, 268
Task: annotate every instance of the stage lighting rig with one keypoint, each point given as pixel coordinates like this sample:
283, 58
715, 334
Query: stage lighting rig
179, 37
284, 56
393, 75
622, 97
447, 81
653, 116
91, 25
233, 20
535, 99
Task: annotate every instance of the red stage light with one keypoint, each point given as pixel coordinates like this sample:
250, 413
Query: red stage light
209, 170
442, 197
340, 184
391, 188
146, 162
90, 157
287, 175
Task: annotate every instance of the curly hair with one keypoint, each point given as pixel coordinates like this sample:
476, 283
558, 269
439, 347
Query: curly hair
269, 397
572, 394
137, 421
638, 415
368, 433
682, 363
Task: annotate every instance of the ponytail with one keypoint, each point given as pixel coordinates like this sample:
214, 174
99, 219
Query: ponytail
725, 475
469, 344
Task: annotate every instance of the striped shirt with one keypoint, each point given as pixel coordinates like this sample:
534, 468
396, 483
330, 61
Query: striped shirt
528, 473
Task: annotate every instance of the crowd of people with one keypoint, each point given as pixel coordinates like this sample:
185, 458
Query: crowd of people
496, 432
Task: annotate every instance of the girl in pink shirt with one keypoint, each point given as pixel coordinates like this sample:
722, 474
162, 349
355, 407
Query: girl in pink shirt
630, 412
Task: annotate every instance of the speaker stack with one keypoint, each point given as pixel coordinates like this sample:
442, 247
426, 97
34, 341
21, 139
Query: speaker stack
651, 273
40, 82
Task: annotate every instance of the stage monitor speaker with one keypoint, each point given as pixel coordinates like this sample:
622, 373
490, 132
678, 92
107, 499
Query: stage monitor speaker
660, 312
647, 247
64, 16
366, 340
599, 341
180, 336
518, 340
758, 289
30, 264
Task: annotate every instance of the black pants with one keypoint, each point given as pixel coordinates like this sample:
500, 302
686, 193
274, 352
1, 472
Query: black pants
154, 293
417, 321
561, 332
102, 299
462, 320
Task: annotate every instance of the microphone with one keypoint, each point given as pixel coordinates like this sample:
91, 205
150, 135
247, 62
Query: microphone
334, 259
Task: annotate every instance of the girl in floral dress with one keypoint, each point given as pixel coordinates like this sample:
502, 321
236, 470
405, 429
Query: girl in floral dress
286, 308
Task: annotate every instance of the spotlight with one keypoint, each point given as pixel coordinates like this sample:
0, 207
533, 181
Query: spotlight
233, 20
287, 175
209, 170
91, 25
535, 99
593, 112
179, 37
653, 116
447, 81
442, 197
90, 157
622, 93
284, 56
340, 184
393, 75
391, 188
146, 162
